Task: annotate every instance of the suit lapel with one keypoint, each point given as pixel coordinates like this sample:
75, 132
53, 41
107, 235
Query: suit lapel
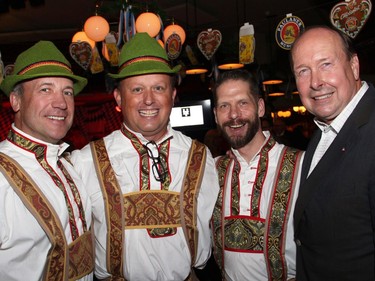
335, 153
309, 154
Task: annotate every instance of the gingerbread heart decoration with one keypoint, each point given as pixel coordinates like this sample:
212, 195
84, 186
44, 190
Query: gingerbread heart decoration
350, 16
208, 42
81, 52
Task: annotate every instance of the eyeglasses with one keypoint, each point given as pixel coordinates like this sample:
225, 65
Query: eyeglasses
157, 167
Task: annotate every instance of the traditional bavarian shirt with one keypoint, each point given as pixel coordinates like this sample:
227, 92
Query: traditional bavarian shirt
24, 245
244, 257
145, 256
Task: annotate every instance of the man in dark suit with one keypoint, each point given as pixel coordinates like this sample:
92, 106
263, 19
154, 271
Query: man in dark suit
335, 211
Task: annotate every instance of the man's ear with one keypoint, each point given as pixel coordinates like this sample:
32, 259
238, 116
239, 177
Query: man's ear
354, 63
215, 114
117, 96
261, 107
15, 101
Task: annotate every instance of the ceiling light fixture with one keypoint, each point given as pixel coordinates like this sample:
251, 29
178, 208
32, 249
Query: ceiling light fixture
229, 66
96, 28
148, 22
174, 29
194, 71
272, 82
299, 109
276, 94
81, 36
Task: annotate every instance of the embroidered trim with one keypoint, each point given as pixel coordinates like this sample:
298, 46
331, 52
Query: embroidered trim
278, 213
191, 186
243, 234
273, 242
144, 167
44, 63
80, 259
115, 218
261, 176
152, 209
113, 203
141, 59
81, 256
39, 151
222, 166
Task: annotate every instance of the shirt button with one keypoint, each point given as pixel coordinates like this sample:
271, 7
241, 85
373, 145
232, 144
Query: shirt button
298, 242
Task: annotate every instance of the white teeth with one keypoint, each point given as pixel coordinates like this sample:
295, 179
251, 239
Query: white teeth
60, 118
148, 113
323, 97
236, 126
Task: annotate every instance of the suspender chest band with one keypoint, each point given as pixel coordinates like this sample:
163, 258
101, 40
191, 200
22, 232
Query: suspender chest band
152, 209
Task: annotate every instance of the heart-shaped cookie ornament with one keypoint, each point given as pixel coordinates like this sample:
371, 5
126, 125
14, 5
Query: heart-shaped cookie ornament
208, 42
350, 16
81, 53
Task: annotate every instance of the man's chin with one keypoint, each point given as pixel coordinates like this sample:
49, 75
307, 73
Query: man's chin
236, 142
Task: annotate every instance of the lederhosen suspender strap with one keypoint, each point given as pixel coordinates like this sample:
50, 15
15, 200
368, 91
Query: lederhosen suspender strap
189, 204
274, 232
62, 262
116, 219
114, 205
278, 214
222, 166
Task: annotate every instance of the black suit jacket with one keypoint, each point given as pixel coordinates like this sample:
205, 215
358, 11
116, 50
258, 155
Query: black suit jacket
334, 216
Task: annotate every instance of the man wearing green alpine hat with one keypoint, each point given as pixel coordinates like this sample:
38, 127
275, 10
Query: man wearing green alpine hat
153, 189
45, 213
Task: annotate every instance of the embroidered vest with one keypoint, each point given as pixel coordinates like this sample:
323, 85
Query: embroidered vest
253, 234
64, 262
123, 210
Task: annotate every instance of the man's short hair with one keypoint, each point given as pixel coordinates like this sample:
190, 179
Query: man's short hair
237, 74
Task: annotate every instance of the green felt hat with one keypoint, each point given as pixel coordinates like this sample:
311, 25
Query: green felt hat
143, 55
41, 60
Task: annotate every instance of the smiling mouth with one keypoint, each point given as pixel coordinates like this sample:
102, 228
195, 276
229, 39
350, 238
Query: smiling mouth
236, 126
323, 97
148, 113
59, 118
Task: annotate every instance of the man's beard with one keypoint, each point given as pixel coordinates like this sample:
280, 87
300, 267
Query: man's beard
237, 142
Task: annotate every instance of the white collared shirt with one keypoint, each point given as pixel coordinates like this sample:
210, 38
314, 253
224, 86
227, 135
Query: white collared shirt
252, 266
147, 258
329, 132
24, 245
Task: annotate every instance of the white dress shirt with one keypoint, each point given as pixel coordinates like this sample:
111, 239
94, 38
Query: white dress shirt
329, 132
146, 258
24, 245
252, 266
